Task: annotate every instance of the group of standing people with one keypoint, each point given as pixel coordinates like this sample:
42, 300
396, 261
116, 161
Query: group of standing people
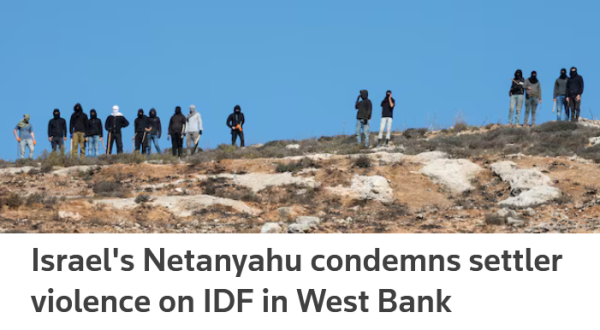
567, 96
364, 109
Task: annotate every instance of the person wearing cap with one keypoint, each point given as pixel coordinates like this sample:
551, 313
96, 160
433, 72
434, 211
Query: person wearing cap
113, 125
193, 128
57, 131
26, 137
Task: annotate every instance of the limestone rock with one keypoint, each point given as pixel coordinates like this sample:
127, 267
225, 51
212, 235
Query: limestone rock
452, 173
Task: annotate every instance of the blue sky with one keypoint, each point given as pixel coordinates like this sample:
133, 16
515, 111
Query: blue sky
295, 67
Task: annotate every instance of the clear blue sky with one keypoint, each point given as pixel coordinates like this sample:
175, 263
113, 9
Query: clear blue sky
294, 67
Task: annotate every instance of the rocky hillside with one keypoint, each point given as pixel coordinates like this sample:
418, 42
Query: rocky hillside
463, 180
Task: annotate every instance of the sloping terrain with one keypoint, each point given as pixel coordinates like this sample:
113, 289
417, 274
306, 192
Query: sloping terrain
464, 180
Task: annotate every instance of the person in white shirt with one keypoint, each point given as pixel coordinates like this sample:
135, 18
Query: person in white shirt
193, 128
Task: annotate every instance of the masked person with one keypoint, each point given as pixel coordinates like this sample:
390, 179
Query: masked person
534, 97
516, 94
155, 131
77, 128
142, 127
113, 125
387, 115
574, 92
177, 132
363, 115
94, 133
560, 95
236, 121
26, 137
193, 128
57, 131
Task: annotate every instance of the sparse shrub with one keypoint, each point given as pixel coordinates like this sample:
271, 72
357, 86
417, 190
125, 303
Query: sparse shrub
296, 166
413, 133
142, 198
494, 219
35, 198
11, 200
108, 188
460, 126
362, 161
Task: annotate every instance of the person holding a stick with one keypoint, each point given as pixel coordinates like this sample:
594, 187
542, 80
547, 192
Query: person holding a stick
94, 133
177, 132
57, 131
155, 132
25, 136
142, 127
113, 125
193, 129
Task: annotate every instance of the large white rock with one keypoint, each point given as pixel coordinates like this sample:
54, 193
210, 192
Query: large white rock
182, 206
594, 141
429, 156
271, 228
520, 178
535, 196
367, 187
455, 174
16, 170
382, 156
292, 146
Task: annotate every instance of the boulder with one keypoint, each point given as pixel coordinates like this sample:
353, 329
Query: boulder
533, 197
292, 146
367, 187
520, 179
455, 174
66, 215
271, 228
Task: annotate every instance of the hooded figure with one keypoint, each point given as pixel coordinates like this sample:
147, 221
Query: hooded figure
533, 98
94, 133
236, 121
57, 130
516, 94
142, 127
155, 131
113, 125
560, 95
25, 136
177, 132
387, 115
574, 93
193, 129
363, 115
77, 128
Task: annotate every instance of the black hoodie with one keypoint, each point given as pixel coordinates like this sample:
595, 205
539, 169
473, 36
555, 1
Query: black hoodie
236, 118
517, 88
94, 125
78, 120
155, 123
141, 122
364, 107
575, 84
57, 127
387, 111
177, 123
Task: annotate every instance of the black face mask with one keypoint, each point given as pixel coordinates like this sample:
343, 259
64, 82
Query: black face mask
56, 115
533, 79
93, 114
573, 74
140, 114
563, 74
152, 114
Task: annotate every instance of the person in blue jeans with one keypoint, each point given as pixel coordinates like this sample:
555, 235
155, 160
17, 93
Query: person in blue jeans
364, 109
560, 95
94, 133
26, 137
516, 94
156, 131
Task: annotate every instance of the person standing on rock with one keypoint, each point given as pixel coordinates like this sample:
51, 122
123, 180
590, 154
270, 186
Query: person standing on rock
94, 133
193, 129
236, 121
363, 115
387, 115
574, 92
560, 95
142, 127
534, 96
177, 132
113, 125
26, 137
155, 131
516, 98
57, 131
77, 129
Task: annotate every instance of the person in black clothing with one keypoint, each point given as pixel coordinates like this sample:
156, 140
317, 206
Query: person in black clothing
574, 92
142, 127
113, 125
363, 115
517, 97
177, 131
155, 131
94, 133
57, 131
77, 128
236, 121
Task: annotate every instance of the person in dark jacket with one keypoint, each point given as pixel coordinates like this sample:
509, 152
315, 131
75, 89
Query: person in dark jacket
560, 95
363, 115
236, 121
155, 131
142, 127
113, 125
516, 95
177, 131
77, 129
574, 92
387, 115
57, 131
94, 133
